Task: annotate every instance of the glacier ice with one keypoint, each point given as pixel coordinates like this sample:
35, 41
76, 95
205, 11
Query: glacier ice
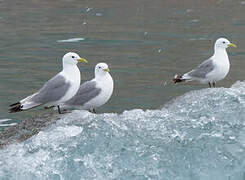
197, 136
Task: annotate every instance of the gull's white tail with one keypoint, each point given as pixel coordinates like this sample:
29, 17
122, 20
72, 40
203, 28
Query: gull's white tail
24, 104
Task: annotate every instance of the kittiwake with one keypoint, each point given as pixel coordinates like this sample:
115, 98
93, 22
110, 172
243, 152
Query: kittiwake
58, 89
94, 93
213, 69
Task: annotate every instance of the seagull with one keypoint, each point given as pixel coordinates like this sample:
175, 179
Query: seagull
58, 89
94, 93
213, 69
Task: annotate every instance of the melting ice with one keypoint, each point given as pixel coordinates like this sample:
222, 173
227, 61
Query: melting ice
197, 136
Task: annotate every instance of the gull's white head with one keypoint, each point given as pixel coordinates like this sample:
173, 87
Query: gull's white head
223, 43
72, 58
101, 69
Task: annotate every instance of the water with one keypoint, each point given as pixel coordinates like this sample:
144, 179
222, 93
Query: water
197, 136
145, 43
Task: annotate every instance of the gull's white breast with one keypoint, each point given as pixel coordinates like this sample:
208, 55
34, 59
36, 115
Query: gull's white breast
222, 67
106, 84
73, 76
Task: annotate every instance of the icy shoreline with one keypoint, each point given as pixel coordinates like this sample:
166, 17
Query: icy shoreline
199, 135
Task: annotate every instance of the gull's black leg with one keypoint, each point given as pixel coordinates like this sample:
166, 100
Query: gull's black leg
92, 111
214, 84
209, 84
59, 109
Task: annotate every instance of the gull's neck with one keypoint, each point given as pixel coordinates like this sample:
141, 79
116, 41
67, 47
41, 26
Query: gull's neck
68, 67
71, 72
219, 52
102, 76
221, 57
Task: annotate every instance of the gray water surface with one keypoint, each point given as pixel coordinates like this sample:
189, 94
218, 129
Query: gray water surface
145, 43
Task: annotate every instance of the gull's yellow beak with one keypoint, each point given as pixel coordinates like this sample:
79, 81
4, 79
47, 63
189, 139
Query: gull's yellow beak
82, 60
232, 45
107, 70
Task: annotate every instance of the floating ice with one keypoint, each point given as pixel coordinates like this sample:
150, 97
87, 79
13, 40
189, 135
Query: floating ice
197, 136
7, 125
189, 10
88, 9
4, 123
201, 38
194, 20
98, 14
4, 120
71, 40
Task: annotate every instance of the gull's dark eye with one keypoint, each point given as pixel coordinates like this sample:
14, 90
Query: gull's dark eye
223, 42
99, 67
73, 56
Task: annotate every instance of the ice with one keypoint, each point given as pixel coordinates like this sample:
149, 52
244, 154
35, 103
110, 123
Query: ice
98, 14
195, 20
4, 123
197, 136
4, 120
71, 40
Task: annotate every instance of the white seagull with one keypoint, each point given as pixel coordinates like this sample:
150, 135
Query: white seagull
94, 93
213, 69
57, 90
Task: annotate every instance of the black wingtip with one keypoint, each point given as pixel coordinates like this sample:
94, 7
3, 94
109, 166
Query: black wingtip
15, 104
16, 108
178, 79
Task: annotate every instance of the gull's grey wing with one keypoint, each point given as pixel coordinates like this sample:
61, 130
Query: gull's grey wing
203, 69
52, 91
86, 92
